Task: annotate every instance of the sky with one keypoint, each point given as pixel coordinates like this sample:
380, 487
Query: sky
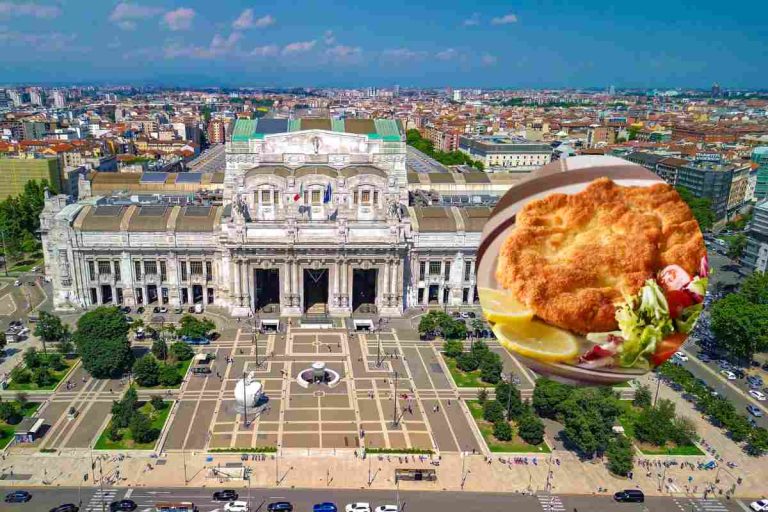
290, 43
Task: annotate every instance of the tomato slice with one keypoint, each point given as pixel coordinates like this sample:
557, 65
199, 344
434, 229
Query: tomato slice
678, 300
674, 277
668, 347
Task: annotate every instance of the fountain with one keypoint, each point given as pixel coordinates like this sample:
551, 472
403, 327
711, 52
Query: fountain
318, 374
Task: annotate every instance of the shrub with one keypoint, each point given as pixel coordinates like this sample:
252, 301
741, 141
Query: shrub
113, 433
141, 429
168, 376
157, 402
620, 456
467, 362
21, 375
530, 428
42, 376
493, 411
146, 371
482, 396
453, 348
180, 351
490, 368
502, 430
160, 349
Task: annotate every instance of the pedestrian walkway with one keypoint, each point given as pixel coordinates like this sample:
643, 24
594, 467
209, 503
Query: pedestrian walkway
551, 503
101, 500
700, 505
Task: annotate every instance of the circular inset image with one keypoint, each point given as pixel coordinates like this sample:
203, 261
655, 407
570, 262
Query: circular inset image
593, 271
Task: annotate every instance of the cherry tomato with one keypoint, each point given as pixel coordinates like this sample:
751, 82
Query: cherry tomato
674, 277
667, 348
678, 300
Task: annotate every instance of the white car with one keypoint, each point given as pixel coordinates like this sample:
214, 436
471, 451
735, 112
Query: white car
358, 507
236, 506
728, 374
681, 356
760, 505
387, 508
757, 395
17, 282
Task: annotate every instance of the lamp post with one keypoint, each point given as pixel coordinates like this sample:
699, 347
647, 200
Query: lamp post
5, 253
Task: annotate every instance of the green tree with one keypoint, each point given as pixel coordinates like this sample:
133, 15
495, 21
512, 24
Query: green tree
508, 395
9, 413
42, 376
113, 433
168, 375
757, 444
741, 325
160, 349
736, 246
195, 328
482, 395
157, 402
141, 428
180, 351
55, 362
621, 456
454, 329
124, 409
580, 435
491, 368
502, 430
754, 288
493, 411
683, 431
102, 341
21, 375
642, 397
548, 395
700, 207
654, 424
49, 328
32, 358
530, 428
427, 324
453, 348
467, 362
146, 371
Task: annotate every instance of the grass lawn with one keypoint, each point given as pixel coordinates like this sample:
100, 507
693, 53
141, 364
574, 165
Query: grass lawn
6, 430
627, 420
464, 379
181, 369
126, 443
57, 377
516, 445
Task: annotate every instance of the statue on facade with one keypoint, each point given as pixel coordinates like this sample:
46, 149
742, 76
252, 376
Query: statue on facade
393, 209
239, 209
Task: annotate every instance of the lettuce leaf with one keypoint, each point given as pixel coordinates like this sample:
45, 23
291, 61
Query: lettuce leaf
688, 317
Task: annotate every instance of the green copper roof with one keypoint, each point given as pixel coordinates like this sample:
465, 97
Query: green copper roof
381, 129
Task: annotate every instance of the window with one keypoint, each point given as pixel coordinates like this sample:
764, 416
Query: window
137, 269
183, 270
105, 267
354, 197
422, 269
316, 198
91, 271
467, 270
163, 271
117, 270
150, 267
208, 271
196, 268
375, 197
365, 196
266, 197
447, 269
434, 268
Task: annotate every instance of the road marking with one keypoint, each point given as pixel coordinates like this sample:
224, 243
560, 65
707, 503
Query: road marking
742, 505
551, 503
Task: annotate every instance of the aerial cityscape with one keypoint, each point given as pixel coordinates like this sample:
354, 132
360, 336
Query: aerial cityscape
245, 258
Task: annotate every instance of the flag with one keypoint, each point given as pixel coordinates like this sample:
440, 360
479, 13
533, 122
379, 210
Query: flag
327, 195
300, 193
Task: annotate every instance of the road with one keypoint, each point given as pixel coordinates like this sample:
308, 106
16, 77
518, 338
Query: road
303, 499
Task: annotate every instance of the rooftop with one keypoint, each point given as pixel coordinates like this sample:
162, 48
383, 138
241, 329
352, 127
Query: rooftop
385, 129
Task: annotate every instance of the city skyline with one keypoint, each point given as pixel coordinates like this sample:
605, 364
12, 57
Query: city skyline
488, 44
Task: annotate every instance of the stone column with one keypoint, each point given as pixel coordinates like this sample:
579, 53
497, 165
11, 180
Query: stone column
98, 294
114, 294
296, 290
237, 281
205, 295
384, 292
347, 288
393, 286
336, 282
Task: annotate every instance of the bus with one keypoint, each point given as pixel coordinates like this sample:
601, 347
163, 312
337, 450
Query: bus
181, 506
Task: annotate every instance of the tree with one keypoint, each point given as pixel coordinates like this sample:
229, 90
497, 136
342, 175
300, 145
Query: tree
146, 371
454, 329
168, 375
502, 430
654, 424
427, 324
32, 358
490, 368
482, 396
479, 349
102, 341
621, 456
195, 328
49, 328
642, 397
530, 428
453, 348
493, 411
21, 375
508, 395
113, 433
548, 395
476, 325
467, 362
683, 431
736, 246
124, 409
180, 351
22, 399
55, 362
741, 325
754, 288
700, 207
42, 376
160, 349
9, 413
157, 402
141, 428
757, 444
579, 434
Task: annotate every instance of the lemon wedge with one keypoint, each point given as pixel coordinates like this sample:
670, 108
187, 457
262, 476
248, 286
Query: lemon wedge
537, 341
502, 307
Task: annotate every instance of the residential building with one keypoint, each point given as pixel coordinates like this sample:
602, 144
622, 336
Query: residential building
506, 153
756, 252
708, 180
668, 168
760, 159
218, 131
737, 195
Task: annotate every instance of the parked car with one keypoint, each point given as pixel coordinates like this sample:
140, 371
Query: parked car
358, 507
225, 495
194, 340
66, 507
754, 381
757, 395
704, 357
179, 311
681, 356
280, 506
126, 309
18, 497
236, 506
324, 507
122, 506
387, 508
759, 505
728, 374
17, 282
163, 309
754, 411
15, 323
629, 496
724, 364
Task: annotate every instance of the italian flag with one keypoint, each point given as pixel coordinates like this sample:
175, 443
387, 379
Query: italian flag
300, 193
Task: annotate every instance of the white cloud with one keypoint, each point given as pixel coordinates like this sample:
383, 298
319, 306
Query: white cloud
179, 19
504, 20
218, 46
41, 42
472, 20
269, 50
29, 9
447, 54
403, 54
125, 14
488, 60
329, 38
247, 20
299, 47
344, 54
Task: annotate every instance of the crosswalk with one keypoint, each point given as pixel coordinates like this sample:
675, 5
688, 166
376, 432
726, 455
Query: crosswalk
551, 503
100, 500
700, 505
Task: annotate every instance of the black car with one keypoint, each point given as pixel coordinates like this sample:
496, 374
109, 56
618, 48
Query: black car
629, 496
126, 309
15, 323
67, 507
140, 310
122, 505
280, 506
225, 495
18, 497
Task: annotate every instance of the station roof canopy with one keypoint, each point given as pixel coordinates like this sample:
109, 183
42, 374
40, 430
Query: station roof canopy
385, 129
